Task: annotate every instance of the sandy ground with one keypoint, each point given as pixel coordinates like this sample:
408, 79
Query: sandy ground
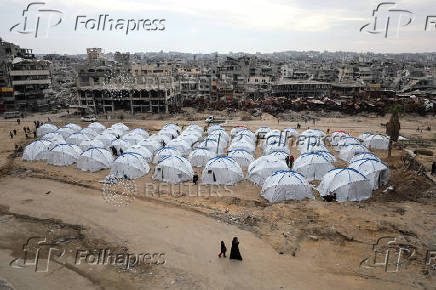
292, 245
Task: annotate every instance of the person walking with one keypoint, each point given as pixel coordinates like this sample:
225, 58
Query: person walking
15, 132
433, 168
223, 250
291, 161
234, 252
11, 134
195, 178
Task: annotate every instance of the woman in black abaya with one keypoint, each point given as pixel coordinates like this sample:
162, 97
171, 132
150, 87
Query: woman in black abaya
234, 252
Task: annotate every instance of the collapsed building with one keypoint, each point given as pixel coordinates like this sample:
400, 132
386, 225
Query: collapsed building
25, 81
106, 86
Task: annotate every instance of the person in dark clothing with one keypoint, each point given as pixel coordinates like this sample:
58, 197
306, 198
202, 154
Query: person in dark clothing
24, 129
114, 151
234, 252
195, 179
121, 151
287, 161
330, 197
433, 168
11, 134
15, 132
291, 161
34, 134
18, 121
223, 250
27, 136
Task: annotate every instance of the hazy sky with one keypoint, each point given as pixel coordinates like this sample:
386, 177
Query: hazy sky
224, 25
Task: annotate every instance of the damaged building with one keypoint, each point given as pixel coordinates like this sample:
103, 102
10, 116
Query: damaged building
25, 81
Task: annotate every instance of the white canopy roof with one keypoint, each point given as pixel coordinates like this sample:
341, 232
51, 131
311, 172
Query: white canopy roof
130, 166
95, 159
173, 169
263, 167
286, 185
222, 170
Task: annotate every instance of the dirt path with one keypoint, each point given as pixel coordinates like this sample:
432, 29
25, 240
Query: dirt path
190, 241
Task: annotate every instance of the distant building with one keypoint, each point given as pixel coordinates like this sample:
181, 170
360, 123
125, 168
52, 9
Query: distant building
24, 80
301, 89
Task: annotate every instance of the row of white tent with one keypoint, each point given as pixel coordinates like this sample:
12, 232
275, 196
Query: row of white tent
169, 146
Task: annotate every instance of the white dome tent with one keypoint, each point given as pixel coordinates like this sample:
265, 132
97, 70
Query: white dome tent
312, 165
141, 150
73, 126
97, 127
214, 127
263, 167
377, 142
219, 133
376, 171
330, 157
54, 137
121, 127
194, 127
245, 134
337, 137
213, 145
181, 145
262, 131
37, 150
140, 132
276, 147
65, 132
115, 132
77, 138
106, 139
165, 151
290, 132
222, 170
200, 156
89, 132
349, 151
169, 132
244, 145
85, 145
279, 154
133, 138
173, 169
120, 145
162, 140
95, 159
63, 154
172, 126
346, 184
365, 135
45, 128
150, 144
129, 166
364, 155
345, 142
242, 157
235, 130
286, 185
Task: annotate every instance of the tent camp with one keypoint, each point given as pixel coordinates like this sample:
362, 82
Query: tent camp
162, 140
347, 152
365, 135
97, 127
242, 157
222, 170
235, 130
170, 132
54, 137
262, 131
214, 127
115, 132
63, 155
85, 145
173, 169
347, 184
346, 141
276, 147
337, 136
290, 132
213, 145
312, 165
129, 166
377, 142
330, 157
286, 185
172, 126
376, 171
37, 150
263, 167
163, 152
45, 128
95, 159
200, 156
181, 145
141, 150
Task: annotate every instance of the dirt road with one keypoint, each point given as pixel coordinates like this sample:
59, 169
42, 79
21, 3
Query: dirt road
190, 241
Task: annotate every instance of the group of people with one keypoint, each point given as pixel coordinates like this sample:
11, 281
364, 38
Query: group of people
27, 131
234, 252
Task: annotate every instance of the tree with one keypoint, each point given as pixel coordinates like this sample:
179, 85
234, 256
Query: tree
393, 126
